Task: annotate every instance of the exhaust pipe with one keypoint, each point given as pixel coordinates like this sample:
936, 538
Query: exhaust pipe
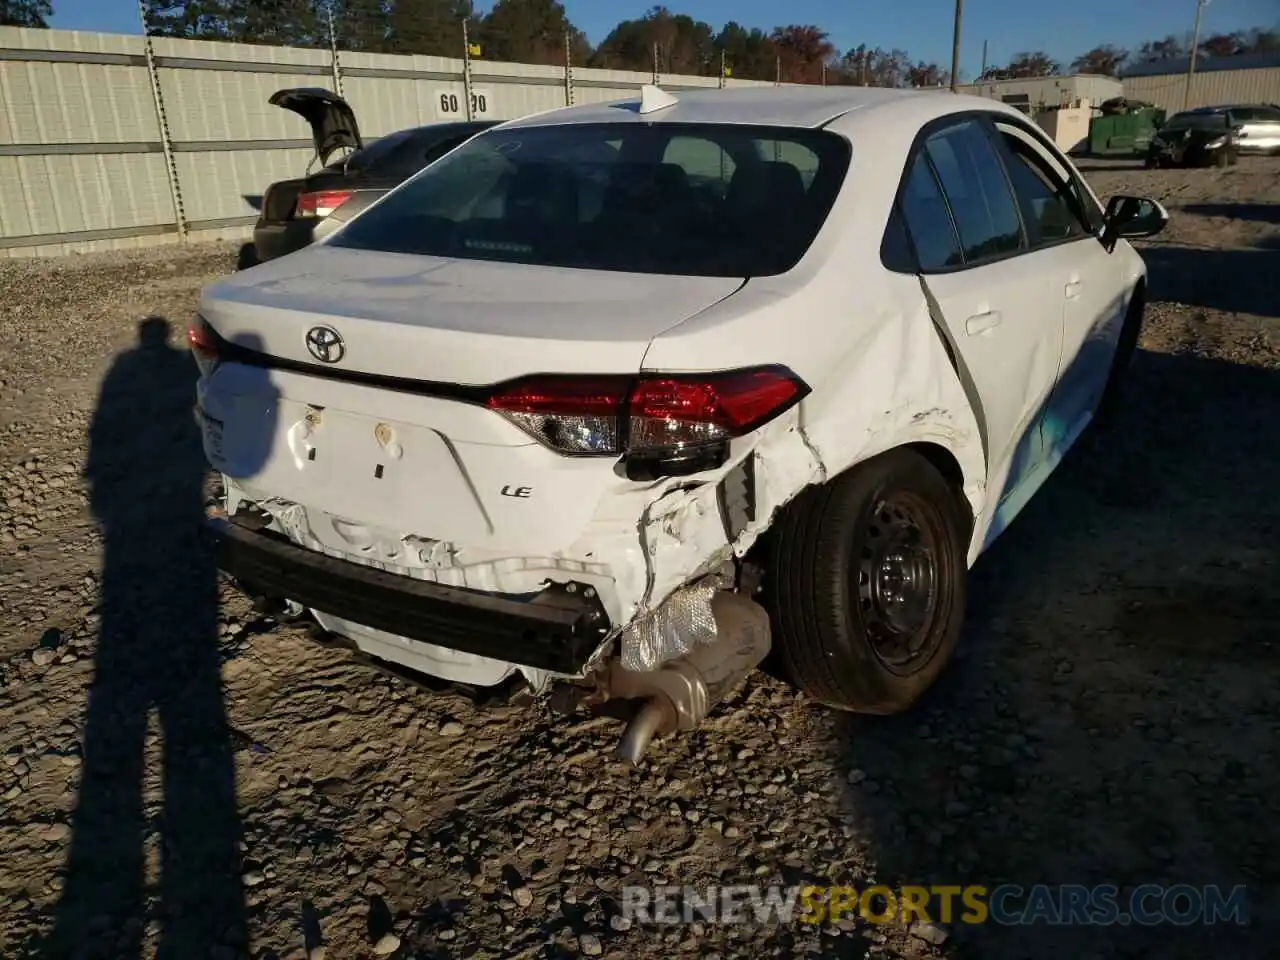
680, 693
640, 732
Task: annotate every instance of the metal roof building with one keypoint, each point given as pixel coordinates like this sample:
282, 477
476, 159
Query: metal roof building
1248, 78
1035, 94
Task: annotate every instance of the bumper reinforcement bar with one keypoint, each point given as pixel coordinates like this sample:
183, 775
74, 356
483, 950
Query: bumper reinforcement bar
557, 629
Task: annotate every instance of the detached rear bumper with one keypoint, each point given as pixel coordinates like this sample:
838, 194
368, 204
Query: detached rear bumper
556, 630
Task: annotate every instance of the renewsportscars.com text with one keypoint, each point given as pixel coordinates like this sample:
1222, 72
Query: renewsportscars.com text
1007, 904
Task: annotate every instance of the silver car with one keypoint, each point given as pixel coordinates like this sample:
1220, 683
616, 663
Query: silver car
1259, 128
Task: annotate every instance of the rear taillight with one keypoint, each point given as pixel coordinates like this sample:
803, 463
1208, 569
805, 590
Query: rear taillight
580, 416
654, 420
204, 345
321, 203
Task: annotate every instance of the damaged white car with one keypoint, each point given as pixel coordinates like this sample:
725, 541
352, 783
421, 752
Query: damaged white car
614, 399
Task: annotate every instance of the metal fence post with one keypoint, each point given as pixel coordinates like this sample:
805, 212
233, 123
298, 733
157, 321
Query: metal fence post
466, 70
166, 141
568, 70
334, 61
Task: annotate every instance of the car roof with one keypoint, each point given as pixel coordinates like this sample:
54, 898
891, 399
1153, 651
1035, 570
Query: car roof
798, 106
1224, 107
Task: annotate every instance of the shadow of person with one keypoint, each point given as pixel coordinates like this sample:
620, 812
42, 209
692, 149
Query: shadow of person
157, 651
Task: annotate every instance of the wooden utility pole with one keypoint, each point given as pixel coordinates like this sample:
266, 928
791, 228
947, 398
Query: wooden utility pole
955, 48
1195, 49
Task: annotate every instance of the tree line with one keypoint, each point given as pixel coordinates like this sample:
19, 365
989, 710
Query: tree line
539, 31
1110, 60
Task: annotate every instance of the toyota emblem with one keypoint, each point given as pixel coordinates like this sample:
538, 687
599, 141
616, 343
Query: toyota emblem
326, 344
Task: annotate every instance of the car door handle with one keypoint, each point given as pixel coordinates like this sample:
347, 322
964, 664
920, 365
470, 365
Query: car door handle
1072, 289
981, 323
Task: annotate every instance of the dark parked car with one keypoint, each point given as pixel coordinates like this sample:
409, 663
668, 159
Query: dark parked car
296, 212
1196, 138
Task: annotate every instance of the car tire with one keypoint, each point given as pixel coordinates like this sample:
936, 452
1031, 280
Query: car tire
839, 552
247, 257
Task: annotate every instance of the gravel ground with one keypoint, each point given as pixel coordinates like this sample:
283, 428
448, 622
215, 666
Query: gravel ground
233, 789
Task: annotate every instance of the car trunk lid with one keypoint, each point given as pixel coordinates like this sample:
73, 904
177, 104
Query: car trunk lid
392, 434
405, 316
332, 121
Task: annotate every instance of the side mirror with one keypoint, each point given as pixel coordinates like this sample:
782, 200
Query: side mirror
1131, 218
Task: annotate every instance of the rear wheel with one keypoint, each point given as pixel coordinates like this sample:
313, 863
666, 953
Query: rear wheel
867, 584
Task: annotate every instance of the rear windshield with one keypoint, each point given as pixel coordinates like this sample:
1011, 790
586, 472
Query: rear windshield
374, 152
686, 199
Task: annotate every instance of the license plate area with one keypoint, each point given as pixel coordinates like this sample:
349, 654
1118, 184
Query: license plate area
381, 473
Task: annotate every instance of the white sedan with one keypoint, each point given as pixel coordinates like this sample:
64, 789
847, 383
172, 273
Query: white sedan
614, 399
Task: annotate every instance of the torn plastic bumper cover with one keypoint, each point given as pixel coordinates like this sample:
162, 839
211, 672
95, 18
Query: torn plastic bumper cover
557, 629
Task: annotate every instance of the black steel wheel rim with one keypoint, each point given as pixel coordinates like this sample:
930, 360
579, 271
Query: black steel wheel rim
898, 580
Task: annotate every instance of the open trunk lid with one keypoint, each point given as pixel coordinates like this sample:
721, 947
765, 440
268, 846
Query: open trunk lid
387, 431
333, 122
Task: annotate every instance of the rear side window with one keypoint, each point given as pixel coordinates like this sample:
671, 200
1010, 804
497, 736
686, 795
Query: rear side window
973, 179
682, 199
925, 211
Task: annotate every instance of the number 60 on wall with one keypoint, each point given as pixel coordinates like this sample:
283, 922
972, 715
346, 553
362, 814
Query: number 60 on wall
450, 104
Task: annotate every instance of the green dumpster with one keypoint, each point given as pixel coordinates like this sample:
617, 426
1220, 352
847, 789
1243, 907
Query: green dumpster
1124, 128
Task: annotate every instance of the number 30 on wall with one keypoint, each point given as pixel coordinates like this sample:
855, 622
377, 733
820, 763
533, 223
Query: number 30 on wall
451, 104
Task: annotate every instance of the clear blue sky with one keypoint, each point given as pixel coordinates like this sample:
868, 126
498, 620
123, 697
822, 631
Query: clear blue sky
921, 27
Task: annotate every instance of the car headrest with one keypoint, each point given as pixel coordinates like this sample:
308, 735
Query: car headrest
774, 183
542, 191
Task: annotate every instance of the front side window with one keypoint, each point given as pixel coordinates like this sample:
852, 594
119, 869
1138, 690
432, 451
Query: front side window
973, 179
683, 199
1050, 202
